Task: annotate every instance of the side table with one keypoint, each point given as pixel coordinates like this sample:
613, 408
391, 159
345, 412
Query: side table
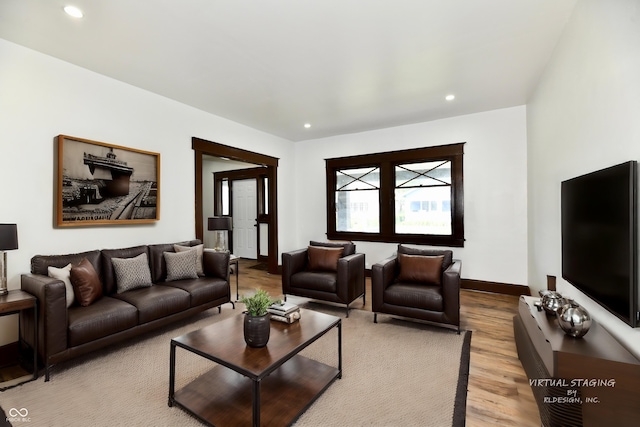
233, 260
14, 302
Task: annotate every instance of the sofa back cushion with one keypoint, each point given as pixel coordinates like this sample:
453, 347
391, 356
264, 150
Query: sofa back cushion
40, 263
108, 273
156, 258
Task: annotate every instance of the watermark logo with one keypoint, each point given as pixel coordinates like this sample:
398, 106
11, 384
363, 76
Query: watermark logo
18, 415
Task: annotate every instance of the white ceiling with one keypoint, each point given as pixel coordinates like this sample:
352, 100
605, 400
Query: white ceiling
342, 65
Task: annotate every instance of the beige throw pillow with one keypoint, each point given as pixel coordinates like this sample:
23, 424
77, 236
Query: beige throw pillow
199, 250
63, 274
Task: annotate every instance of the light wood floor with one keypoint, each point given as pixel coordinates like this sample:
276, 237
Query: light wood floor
499, 392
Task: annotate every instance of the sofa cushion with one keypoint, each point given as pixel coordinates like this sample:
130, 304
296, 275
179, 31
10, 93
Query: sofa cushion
323, 258
414, 295
156, 301
420, 268
199, 252
315, 280
87, 287
104, 317
64, 274
181, 265
40, 263
108, 272
203, 289
132, 273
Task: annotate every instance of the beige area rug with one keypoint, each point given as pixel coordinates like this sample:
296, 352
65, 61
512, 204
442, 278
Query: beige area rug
395, 373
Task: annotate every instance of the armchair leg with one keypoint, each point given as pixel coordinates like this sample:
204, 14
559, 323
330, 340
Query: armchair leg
375, 317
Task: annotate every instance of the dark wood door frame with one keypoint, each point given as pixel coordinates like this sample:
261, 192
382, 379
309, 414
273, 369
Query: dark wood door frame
203, 147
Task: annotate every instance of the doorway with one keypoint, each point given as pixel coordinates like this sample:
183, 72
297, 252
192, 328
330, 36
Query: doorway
269, 222
245, 208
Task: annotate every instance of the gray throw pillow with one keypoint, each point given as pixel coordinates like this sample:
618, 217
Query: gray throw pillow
199, 249
132, 273
181, 265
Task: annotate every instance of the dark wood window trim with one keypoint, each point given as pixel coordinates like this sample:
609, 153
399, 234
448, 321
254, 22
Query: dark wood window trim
386, 162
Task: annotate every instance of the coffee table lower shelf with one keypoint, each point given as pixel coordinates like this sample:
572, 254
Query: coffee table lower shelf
223, 397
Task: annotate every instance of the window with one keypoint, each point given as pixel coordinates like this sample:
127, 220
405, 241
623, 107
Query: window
408, 196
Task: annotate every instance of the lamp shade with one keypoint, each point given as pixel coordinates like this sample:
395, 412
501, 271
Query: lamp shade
220, 223
8, 237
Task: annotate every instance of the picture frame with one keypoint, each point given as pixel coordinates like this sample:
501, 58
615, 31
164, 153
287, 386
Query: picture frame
105, 184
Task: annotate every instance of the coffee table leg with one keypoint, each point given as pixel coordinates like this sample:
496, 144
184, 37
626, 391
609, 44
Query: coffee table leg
340, 349
172, 372
256, 403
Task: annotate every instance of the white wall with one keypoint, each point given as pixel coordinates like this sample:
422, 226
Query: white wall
582, 117
41, 97
494, 187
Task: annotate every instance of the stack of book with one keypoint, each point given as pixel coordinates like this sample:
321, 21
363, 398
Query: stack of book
284, 312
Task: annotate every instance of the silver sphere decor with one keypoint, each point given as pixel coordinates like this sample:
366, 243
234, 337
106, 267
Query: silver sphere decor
574, 319
551, 301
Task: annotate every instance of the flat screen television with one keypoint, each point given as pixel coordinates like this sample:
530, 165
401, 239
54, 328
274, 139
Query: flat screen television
599, 238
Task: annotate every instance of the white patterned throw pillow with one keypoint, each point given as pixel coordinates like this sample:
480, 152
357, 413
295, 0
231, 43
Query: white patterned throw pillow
199, 250
132, 273
181, 265
63, 274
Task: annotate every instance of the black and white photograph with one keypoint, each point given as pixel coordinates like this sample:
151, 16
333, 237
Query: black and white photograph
100, 183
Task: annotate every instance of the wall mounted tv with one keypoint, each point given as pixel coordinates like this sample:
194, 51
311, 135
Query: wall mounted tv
599, 238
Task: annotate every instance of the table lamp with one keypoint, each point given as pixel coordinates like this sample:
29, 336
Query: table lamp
220, 225
8, 241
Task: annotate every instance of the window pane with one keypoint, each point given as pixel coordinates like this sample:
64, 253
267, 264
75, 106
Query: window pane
424, 210
358, 211
424, 174
358, 179
266, 196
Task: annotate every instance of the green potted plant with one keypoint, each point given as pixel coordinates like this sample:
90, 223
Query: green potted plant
257, 319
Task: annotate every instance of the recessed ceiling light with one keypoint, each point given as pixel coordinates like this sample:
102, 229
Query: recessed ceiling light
307, 125
73, 11
450, 97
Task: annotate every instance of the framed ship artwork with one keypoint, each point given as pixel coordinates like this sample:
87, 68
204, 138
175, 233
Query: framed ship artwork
105, 184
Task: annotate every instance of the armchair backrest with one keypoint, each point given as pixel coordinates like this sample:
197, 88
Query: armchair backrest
446, 262
349, 247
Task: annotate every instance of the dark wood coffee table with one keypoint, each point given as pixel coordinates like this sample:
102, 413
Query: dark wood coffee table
270, 386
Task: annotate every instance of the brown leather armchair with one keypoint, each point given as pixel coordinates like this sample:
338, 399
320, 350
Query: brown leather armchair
418, 283
324, 271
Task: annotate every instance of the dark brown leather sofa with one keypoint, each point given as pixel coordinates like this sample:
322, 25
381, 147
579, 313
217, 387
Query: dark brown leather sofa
433, 302
342, 285
65, 333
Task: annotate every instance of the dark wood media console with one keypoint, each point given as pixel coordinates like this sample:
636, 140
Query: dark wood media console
590, 381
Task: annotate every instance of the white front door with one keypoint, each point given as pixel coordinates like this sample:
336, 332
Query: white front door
244, 213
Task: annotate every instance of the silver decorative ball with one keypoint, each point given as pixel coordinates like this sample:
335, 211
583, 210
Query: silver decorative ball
574, 319
552, 301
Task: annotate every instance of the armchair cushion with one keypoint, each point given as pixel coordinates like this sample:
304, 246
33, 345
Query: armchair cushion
349, 247
446, 262
324, 258
420, 268
87, 287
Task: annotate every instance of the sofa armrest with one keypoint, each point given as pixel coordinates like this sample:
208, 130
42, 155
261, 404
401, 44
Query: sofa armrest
52, 313
216, 264
382, 275
451, 291
292, 262
350, 281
